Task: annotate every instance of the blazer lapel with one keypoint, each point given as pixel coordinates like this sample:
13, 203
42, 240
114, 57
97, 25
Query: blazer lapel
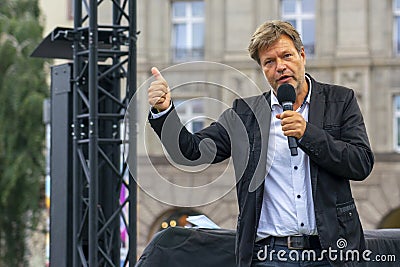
262, 113
263, 116
316, 117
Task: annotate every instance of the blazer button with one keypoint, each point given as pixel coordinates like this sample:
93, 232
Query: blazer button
350, 214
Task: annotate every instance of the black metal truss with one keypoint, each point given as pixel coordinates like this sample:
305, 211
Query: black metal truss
103, 56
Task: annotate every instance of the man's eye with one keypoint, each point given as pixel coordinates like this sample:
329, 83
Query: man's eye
267, 62
288, 55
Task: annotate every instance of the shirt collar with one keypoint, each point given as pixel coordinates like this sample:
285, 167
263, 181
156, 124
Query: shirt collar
275, 102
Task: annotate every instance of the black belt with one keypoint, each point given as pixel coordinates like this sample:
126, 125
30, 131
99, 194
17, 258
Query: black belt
293, 242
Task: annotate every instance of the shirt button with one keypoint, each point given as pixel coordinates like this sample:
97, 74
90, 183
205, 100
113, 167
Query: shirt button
295, 167
298, 196
302, 224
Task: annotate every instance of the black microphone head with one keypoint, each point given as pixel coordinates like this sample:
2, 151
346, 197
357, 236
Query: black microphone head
286, 93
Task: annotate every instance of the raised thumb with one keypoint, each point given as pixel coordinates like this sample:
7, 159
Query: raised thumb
156, 73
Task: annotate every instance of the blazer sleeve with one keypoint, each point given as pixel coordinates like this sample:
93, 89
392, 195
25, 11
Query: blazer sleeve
210, 145
341, 147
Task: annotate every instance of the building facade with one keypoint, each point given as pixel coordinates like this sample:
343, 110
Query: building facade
201, 48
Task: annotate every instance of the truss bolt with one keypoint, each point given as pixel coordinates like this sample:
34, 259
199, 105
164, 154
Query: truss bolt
72, 125
82, 126
115, 126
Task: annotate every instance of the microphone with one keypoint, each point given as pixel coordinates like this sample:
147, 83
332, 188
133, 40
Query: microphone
287, 96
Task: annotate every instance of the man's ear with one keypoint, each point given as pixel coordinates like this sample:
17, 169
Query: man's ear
303, 54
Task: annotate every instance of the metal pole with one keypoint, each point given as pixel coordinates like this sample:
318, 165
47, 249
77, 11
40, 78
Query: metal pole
116, 85
93, 134
132, 133
76, 170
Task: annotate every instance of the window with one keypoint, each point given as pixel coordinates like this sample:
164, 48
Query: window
301, 14
396, 123
188, 30
396, 27
191, 113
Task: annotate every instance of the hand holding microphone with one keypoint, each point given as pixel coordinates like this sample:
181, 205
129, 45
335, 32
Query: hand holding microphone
293, 124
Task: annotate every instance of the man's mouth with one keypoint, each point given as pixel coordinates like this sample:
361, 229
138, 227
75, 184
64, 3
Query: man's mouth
284, 79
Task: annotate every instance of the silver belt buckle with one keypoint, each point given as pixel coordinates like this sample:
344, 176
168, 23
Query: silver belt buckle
289, 242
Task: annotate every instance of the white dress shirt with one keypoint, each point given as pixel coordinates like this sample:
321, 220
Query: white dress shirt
288, 207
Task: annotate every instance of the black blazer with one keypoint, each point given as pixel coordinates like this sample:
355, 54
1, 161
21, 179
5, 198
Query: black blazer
335, 141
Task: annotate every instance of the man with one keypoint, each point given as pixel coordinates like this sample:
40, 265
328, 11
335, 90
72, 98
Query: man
303, 204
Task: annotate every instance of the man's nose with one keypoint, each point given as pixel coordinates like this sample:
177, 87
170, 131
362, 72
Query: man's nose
280, 66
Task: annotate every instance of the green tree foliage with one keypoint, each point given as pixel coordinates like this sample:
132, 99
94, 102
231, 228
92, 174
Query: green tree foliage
22, 91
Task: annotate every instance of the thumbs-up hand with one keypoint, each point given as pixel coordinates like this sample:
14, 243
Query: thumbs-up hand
159, 95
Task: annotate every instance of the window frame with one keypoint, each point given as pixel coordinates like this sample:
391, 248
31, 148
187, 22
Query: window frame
189, 115
396, 122
189, 21
299, 16
396, 37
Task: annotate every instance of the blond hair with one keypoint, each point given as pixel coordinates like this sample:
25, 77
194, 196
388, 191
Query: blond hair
269, 32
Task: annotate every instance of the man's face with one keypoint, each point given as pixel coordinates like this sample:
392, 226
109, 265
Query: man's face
282, 63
